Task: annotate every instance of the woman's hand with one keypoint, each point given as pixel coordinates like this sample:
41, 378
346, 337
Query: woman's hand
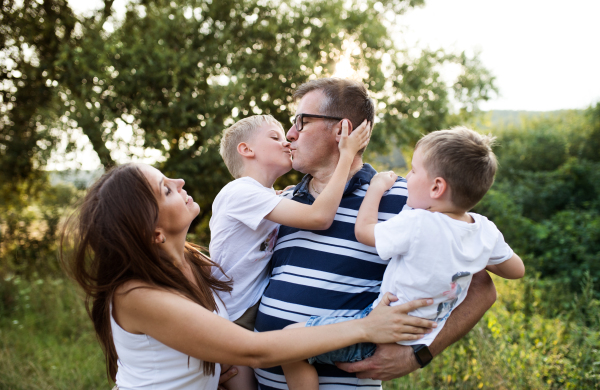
356, 141
227, 372
391, 324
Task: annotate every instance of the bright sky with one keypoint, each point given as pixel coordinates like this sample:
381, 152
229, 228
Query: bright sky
541, 52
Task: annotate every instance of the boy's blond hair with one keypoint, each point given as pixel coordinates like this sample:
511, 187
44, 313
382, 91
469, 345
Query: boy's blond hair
241, 131
464, 158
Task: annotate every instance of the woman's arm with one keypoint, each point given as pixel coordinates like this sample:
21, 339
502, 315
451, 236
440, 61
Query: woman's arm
189, 328
320, 214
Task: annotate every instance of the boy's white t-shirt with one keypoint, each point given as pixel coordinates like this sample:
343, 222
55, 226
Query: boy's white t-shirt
242, 241
435, 256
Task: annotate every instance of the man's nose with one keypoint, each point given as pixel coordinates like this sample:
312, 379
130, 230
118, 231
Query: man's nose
292, 134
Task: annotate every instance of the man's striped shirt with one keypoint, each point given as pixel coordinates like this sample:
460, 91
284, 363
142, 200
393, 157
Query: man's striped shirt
325, 273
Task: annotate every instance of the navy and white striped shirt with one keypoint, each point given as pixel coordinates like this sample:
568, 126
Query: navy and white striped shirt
325, 273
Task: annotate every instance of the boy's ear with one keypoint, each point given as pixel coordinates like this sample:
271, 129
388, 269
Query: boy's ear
439, 188
338, 129
245, 150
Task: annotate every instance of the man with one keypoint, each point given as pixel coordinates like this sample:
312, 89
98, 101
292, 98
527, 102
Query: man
328, 272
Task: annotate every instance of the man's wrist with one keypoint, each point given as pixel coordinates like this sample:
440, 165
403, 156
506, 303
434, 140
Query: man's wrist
411, 358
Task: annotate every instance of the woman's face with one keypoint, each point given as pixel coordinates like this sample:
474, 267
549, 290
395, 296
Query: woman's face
176, 210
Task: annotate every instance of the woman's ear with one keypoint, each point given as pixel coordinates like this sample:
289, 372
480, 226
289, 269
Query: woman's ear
439, 188
159, 237
245, 150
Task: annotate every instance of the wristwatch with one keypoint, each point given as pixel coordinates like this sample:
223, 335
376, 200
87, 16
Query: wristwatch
422, 354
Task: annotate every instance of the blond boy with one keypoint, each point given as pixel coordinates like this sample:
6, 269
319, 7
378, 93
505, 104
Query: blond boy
247, 212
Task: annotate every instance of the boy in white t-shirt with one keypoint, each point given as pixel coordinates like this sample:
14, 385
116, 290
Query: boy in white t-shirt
435, 247
247, 212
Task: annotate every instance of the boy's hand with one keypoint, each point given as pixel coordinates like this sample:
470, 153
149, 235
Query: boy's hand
383, 181
357, 140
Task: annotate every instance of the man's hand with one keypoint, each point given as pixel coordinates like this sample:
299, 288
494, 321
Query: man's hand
389, 361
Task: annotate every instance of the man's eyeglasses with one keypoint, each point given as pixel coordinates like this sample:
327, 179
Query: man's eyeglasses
298, 120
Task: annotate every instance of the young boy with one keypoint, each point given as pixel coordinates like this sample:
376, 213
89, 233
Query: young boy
434, 248
247, 212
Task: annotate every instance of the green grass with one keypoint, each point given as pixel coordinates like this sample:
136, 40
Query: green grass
46, 338
534, 337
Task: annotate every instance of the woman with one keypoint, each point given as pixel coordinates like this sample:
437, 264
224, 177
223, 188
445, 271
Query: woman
150, 294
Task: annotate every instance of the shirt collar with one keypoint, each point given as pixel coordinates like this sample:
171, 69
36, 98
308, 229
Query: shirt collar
360, 178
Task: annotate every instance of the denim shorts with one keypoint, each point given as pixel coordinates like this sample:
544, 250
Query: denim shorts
350, 354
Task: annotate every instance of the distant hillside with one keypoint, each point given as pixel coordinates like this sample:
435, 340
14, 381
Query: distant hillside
509, 117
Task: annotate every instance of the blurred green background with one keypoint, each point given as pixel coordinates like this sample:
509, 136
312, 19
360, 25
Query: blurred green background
160, 83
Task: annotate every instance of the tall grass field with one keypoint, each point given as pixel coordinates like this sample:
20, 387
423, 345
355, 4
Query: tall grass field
526, 341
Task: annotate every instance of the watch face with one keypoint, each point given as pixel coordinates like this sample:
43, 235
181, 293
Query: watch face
422, 354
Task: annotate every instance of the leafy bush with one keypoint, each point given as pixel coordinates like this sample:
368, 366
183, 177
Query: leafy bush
29, 226
546, 199
525, 341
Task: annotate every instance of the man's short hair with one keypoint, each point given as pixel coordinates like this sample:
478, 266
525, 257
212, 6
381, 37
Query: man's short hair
464, 158
344, 99
241, 131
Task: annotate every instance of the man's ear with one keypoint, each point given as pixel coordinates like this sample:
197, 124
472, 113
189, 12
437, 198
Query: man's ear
245, 150
338, 129
439, 188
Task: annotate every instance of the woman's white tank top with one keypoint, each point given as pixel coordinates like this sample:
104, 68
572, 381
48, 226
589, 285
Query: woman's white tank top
146, 363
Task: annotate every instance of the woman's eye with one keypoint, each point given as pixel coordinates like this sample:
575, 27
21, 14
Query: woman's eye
168, 190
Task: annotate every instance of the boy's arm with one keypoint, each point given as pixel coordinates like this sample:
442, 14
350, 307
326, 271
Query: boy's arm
512, 268
367, 218
320, 214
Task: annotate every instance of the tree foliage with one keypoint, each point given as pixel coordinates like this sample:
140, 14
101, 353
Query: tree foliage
546, 199
168, 76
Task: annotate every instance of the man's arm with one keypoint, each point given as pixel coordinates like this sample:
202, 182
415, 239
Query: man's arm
393, 360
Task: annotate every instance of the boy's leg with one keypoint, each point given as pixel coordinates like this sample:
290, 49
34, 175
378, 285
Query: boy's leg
300, 375
244, 380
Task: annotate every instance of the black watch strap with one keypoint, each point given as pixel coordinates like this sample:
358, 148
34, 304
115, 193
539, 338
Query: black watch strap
422, 354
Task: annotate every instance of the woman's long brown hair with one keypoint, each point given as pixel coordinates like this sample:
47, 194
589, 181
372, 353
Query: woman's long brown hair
109, 240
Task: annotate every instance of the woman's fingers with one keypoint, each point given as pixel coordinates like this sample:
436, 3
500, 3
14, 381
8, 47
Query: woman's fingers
388, 298
413, 305
227, 373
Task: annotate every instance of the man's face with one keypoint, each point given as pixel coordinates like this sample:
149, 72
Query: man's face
315, 146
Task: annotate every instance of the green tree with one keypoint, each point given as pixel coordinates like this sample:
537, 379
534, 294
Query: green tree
175, 73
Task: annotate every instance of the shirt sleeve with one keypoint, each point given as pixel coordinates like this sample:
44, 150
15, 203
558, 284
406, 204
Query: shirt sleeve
249, 204
501, 252
392, 237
